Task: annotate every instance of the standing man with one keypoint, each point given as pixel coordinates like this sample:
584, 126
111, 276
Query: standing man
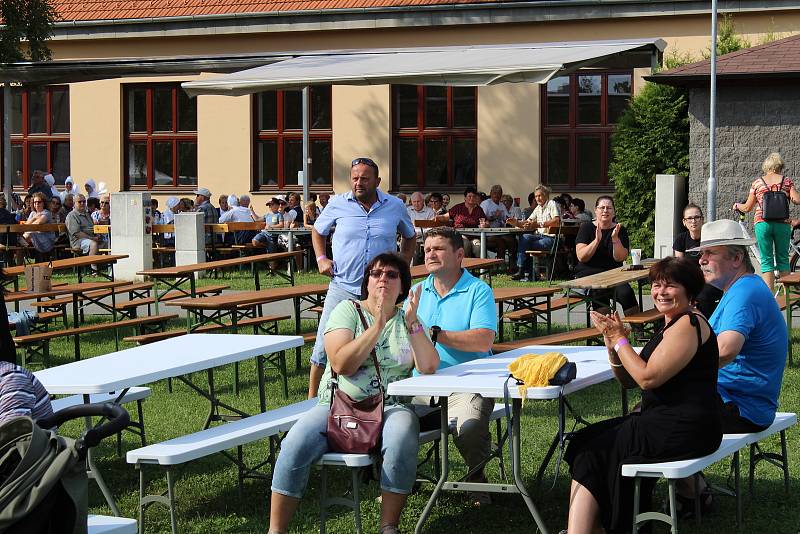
202, 203
461, 317
751, 335
367, 223
38, 185
80, 228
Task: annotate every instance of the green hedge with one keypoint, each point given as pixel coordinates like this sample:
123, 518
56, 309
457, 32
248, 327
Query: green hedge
652, 138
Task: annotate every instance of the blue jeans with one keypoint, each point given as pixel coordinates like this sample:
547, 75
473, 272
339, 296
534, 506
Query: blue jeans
334, 296
305, 444
535, 241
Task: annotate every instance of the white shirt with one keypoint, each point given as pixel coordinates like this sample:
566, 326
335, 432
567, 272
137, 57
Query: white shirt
237, 214
426, 213
542, 214
496, 213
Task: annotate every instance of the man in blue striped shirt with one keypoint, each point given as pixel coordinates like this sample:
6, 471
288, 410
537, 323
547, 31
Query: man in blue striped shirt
367, 222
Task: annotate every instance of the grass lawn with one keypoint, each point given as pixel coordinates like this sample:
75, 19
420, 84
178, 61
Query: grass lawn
208, 499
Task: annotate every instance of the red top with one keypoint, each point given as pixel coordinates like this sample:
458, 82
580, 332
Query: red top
462, 218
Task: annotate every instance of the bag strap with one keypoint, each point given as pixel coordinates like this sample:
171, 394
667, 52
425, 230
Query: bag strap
372, 352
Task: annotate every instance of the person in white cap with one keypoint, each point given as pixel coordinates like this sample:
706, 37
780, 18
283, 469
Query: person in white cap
69, 188
91, 189
51, 181
101, 188
202, 204
751, 334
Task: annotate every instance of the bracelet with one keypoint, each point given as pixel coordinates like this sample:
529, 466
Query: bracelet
415, 328
614, 365
322, 257
621, 343
616, 241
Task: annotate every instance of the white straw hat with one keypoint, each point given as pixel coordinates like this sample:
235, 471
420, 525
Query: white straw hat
722, 232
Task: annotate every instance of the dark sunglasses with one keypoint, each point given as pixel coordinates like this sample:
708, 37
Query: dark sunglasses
364, 161
391, 275
693, 218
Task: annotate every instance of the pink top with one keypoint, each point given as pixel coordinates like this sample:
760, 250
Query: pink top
758, 189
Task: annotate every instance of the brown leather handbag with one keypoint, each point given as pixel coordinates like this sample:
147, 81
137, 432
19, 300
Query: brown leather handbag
355, 426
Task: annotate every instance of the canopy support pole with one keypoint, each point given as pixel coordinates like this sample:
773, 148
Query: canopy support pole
306, 158
711, 201
7, 145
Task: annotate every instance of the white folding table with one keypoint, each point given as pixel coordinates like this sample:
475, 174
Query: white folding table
488, 377
171, 358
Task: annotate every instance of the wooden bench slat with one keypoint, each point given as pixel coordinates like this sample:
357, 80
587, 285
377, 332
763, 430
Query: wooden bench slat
648, 316
87, 329
172, 295
553, 339
64, 301
159, 336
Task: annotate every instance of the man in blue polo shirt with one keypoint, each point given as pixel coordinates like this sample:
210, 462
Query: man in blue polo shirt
459, 312
367, 222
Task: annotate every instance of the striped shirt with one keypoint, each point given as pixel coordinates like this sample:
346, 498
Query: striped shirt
21, 394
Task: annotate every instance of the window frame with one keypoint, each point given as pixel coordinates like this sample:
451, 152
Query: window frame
281, 135
572, 131
422, 133
25, 138
150, 136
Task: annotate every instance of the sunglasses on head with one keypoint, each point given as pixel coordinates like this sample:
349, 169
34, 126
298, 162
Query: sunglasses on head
391, 275
364, 161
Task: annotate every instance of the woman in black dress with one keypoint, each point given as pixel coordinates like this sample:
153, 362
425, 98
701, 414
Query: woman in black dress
677, 372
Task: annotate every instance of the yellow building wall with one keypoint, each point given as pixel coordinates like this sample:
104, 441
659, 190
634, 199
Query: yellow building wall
360, 129
508, 115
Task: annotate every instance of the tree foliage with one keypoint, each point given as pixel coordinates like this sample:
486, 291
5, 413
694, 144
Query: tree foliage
652, 137
727, 39
27, 25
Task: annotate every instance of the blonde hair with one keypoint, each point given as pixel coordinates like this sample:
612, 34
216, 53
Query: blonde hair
773, 163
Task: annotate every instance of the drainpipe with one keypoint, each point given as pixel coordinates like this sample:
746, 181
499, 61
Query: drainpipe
711, 201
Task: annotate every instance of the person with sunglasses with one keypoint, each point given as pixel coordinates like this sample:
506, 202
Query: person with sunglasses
80, 228
709, 297
401, 346
367, 222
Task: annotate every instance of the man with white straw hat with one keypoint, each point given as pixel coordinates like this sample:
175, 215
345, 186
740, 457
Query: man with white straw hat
751, 333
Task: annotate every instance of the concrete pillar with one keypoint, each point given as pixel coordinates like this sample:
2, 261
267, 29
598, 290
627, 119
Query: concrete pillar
190, 238
131, 222
670, 200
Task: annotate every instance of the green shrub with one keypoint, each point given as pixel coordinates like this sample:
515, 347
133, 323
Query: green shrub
652, 138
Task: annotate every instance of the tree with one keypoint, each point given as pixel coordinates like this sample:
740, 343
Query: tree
727, 40
652, 137
28, 24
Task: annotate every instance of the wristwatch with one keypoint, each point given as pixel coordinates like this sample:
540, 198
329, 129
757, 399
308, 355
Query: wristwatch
434, 331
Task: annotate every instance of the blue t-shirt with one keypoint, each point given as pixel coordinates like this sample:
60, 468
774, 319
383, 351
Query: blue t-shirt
273, 218
361, 235
752, 380
470, 304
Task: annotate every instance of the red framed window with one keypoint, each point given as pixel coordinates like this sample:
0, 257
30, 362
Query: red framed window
435, 137
278, 143
160, 137
39, 121
579, 113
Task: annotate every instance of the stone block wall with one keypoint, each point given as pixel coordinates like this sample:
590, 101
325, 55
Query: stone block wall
752, 121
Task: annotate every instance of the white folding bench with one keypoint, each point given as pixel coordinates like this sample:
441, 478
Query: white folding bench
216, 439
730, 446
104, 524
135, 394
357, 462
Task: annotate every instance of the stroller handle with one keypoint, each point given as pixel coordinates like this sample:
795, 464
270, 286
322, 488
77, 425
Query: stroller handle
117, 416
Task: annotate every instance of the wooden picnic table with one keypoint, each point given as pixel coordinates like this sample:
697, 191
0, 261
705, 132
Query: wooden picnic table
523, 298
78, 263
177, 276
791, 284
608, 280
482, 232
244, 304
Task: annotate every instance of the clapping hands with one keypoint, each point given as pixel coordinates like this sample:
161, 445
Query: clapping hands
610, 326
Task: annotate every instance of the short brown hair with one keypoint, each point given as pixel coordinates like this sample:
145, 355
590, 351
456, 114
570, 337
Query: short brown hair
447, 233
389, 259
681, 271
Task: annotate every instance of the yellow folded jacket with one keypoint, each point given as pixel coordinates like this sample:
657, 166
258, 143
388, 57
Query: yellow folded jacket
536, 370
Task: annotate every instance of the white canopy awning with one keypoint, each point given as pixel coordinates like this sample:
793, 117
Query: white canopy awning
451, 65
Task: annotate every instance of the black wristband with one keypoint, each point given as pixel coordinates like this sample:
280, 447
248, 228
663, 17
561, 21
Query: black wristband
434, 331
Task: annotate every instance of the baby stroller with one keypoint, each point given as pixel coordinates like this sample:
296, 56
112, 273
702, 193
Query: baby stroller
43, 482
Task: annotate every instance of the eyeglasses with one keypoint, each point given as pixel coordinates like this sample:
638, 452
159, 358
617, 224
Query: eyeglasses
693, 218
364, 161
105, 203
391, 275
38, 201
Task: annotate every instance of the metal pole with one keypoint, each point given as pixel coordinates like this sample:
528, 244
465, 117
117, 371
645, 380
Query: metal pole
306, 157
7, 143
711, 201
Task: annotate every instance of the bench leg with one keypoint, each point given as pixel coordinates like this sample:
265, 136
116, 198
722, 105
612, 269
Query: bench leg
168, 501
356, 499
673, 507
323, 499
738, 489
780, 460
